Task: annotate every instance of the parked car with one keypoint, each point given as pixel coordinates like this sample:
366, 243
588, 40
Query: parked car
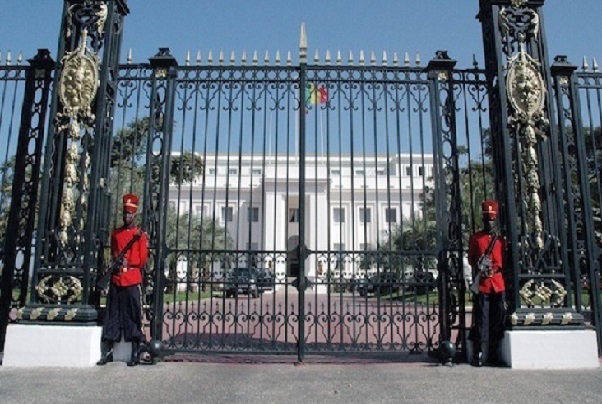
379, 284
265, 279
251, 281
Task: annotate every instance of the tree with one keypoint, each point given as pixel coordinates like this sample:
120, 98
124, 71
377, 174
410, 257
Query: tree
190, 235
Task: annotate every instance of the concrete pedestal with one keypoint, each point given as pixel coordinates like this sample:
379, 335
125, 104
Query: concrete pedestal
29, 345
549, 349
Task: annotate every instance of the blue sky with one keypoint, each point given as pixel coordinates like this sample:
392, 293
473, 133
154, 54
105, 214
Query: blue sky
573, 27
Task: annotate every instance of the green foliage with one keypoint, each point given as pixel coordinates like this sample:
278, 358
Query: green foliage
129, 142
186, 168
6, 174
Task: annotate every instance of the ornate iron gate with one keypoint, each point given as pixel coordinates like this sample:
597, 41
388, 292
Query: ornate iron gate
291, 208
319, 180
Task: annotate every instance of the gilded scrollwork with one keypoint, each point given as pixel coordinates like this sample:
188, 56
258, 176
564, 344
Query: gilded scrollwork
56, 289
526, 93
78, 85
539, 293
518, 19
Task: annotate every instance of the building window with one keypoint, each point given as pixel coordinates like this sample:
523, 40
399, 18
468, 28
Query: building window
199, 210
232, 171
360, 172
420, 170
338, 215
409, 171
227, 214
256, 171
293, 215
391, 215
253, 214
336, 172
211, 171
365, 215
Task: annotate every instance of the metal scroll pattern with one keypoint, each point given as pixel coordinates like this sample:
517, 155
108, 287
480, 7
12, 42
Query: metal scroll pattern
77, 89
526, 94
74, 121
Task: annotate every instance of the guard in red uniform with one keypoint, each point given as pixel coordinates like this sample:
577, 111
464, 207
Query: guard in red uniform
129, 253
489, 302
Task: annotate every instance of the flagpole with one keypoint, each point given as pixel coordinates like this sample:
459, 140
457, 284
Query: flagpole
296, 137
270, 138
321, 134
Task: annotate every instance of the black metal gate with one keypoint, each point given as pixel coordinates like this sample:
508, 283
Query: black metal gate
292, 208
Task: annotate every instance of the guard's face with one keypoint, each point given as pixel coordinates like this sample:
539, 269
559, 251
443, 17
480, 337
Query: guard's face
128, 217
488, 222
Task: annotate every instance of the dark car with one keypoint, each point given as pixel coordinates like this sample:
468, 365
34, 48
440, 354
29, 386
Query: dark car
379, 284
251, 281
265, 279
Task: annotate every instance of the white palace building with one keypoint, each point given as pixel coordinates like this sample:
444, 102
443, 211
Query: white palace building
350, 203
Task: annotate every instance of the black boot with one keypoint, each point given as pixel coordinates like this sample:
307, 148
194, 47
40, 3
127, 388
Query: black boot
106, 354
477, 357
494, 359
134, 359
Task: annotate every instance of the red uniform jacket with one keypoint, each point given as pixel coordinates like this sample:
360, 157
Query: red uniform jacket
135, 257
477, 245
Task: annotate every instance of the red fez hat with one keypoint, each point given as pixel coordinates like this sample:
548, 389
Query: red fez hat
130, 203
490, 209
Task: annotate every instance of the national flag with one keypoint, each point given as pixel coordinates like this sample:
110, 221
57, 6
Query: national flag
316, 95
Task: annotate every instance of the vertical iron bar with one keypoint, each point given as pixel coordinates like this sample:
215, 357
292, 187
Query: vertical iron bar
21, 217
301, 250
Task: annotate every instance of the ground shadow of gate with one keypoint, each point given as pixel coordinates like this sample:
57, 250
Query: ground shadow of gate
251, 325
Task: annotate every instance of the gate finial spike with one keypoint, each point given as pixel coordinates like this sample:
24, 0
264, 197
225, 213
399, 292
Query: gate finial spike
0, 57
350, 57
327, 57
372, 58
289, 59
385, 58
266, 59
129, 58
417, 59
210, 58
255, 58
595, 65
316, 57
187, 60
233, 58
20, 58
277, 60
303, 45
339, 57
198, 58
9, 58
244, 58
361, 57
395, 59
406, 60
585, 65
221, 57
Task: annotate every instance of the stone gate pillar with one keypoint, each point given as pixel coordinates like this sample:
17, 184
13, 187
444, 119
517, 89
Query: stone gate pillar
546, 328
58, 326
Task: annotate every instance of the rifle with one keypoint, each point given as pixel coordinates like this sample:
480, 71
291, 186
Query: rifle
484, 264
103, 281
